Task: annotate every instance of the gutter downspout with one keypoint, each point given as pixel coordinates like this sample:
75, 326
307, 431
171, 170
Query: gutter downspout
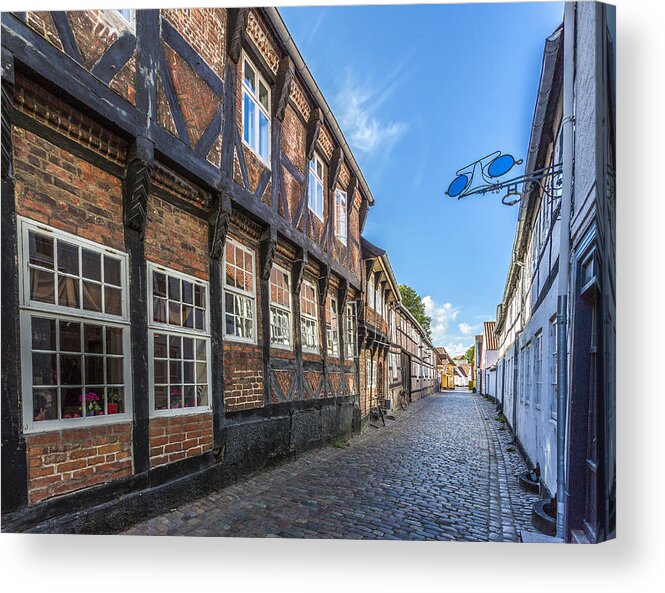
564, 257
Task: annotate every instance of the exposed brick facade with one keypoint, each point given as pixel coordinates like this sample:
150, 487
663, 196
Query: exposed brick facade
74, 154
173, 438
60, 462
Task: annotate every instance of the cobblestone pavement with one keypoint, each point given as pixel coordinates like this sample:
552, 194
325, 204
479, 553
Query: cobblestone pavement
442, 470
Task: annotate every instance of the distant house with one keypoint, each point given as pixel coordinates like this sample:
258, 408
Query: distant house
446, 368
488, 360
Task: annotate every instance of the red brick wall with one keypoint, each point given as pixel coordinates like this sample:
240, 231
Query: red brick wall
179, 437
67, 460
176, 239
205, 30
243, 376
57, 188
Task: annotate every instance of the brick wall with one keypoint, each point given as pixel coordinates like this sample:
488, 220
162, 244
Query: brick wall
243, 376
173, 438
176, 239
67, 460
58, 188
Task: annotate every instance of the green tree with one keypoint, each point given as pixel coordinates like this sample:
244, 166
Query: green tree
412, 301
470, 354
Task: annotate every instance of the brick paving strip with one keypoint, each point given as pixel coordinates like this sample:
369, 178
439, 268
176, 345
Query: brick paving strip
442, 470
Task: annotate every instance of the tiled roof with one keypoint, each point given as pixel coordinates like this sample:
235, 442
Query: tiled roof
489, 338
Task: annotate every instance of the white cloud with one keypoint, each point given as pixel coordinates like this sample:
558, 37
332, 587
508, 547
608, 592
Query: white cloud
456, 349
356, 106
448, 329
441, 316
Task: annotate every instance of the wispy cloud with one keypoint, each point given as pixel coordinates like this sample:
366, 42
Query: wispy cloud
442, 315
357, 106
447, 326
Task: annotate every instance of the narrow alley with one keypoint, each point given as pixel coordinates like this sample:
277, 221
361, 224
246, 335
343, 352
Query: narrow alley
443, 470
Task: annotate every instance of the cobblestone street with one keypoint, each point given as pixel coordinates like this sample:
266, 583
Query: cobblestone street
443, 470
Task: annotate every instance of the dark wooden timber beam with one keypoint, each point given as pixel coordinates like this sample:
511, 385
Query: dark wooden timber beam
59, 70
282, 90
267, 246
335, 167
14, 464
237, 31
313, 130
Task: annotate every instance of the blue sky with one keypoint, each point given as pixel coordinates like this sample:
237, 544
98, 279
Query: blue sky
420, 91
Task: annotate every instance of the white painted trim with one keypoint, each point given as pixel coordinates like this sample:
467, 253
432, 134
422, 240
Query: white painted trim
241, 292
260, 108
282, 308
313, 161
314, 318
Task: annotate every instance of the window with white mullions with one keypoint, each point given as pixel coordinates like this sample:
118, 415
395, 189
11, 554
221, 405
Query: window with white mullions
180, 374
67, 275
315, 188
350, 332
309, 318
75, 332
280, 308
553, 370
340, 215
179, 341
239, 293
538, 369
255, 111
332, 327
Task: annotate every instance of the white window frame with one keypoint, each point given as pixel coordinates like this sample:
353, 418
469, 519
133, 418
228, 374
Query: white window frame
350, 332
129, 20
553, 352
251, 295
169, 330
254, 143
341, 216
332, 329
29, 308
312, 319
281, 308
371, 373
316, 159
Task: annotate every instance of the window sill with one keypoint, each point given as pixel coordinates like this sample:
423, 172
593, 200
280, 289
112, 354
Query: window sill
281, 347
154, 414
74, 423
315, 213
308, 351
236, 339
257, 155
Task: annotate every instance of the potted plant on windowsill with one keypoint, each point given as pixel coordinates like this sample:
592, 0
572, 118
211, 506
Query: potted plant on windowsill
113, 405
93, 404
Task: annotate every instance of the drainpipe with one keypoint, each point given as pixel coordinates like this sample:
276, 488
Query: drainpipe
564, 259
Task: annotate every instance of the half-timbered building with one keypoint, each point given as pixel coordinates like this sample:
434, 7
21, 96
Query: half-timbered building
181, 261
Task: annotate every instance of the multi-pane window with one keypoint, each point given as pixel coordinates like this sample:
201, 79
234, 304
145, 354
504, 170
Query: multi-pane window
309, 318
255, 111
179, 340
340, 215
371, 374
280, 308
538, 369
350, 336
74, 315
315, 187
332, 327
239, 293
554, 367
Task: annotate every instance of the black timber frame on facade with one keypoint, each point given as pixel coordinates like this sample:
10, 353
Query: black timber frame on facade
63, 74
